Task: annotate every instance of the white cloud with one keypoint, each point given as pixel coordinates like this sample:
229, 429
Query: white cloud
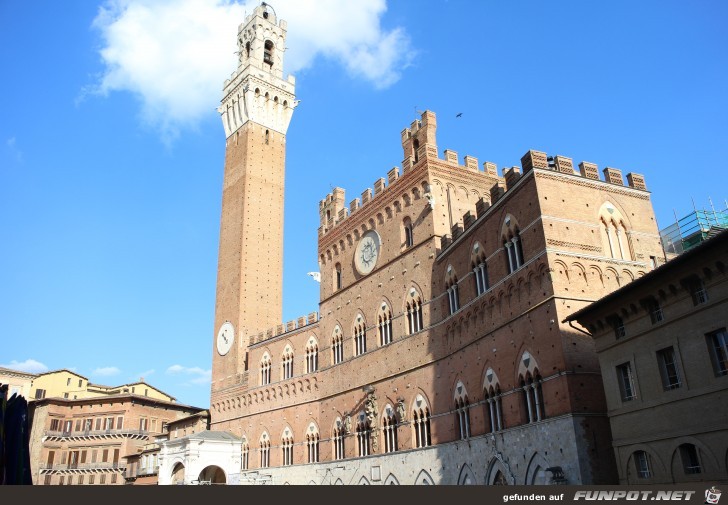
29, 366
196, 374
146, 373
175, 54
107, 371
12, 145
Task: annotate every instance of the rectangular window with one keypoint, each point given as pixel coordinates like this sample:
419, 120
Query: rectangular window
94, 455
61, 480
626, 382
47, 480
55, 424
697, 291
109, 423
113, 478
653, 307
80, 480
154, 425
80, 382
119, 423
618, 325
40, 394
102, 478
78, 425
68, 381
105, 456
718, 349
668, 368
98, 424
91, 479
143, 424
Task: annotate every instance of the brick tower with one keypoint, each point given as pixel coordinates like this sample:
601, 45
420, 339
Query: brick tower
256, 109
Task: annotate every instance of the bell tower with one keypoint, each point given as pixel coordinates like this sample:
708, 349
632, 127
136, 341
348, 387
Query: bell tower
256, 109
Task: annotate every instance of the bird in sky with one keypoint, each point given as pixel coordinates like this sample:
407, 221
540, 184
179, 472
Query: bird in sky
459, 114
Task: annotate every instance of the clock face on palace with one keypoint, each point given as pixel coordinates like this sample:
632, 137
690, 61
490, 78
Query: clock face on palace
367, 252
225, 338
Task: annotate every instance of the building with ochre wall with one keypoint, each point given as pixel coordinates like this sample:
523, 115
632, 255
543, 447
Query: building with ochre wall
663, 349
437, 354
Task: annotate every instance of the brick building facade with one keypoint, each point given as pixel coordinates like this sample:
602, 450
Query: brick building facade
85, 441
439, 355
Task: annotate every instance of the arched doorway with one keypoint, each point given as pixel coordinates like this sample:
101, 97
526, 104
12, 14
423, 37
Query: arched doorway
178, 474
212, 475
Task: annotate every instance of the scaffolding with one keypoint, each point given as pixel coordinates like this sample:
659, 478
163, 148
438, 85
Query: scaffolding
693, 229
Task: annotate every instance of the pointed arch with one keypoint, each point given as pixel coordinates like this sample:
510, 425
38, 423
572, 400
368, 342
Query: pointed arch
466, 477
424, 478
421, 415
391, 480
359, 334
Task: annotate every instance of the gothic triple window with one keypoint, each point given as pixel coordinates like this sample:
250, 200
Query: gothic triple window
360, 336
265, 366
364, 435
421, 422
384, 325
414, 314
339, 435
287, 363
337, 345
462, 411
389, 427
287, 446
494, 409
532, 398
311, 355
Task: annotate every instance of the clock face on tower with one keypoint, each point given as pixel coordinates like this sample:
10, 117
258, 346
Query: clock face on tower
225, 338
367, 252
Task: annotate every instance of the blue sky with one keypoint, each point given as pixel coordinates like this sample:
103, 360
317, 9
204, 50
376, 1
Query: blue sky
111, 152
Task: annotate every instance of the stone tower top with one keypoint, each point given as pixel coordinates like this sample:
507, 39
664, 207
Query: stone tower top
256, 91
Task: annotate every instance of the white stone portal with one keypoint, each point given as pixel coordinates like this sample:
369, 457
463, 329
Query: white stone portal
208, 457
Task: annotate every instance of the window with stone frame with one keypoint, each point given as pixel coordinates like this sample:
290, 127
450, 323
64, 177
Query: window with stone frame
265, 369
360, 336
312, 444
718, 350
287, 363
414, 313
532, 397
669, 368
421, 423
626, 382
363, 435
690, 458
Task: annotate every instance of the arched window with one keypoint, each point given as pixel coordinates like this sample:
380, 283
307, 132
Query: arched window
287, 363
337, 345
268, 52
360, 336
363, 435
414, 312
245, 454
642, 464
480, 270
462, 411
311, 355
532, 398
690, 459
615, 237
451, 286
265, 366
408, 231
421, 423
337, 277
416, 147
264, 451
312, 443
384, 325
267, 133
247, 49
287, 445
514, 251
339, 435
389, 427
